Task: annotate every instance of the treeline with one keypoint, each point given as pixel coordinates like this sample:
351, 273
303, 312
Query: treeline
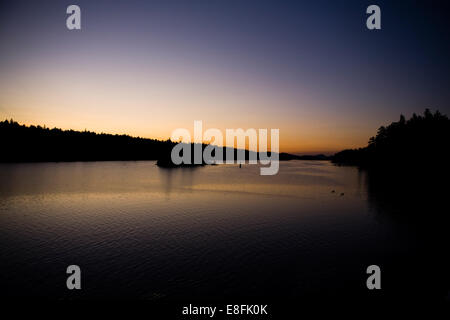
21, 143
421, 140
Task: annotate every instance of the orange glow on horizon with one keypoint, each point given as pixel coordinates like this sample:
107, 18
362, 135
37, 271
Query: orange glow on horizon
151, 101
292, 139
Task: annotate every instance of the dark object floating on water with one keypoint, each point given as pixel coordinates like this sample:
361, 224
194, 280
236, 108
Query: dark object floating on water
333, 191
341, 194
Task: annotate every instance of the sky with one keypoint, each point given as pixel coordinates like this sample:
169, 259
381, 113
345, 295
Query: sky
308, 68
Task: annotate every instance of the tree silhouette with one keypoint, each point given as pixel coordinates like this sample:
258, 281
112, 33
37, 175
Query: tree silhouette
36, 143
417, 141
22, 143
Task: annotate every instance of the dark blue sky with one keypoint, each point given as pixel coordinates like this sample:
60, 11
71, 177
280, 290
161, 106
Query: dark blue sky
312, 68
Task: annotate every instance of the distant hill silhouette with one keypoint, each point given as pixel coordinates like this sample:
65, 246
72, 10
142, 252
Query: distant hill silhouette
22, 143
414, 142
287, 156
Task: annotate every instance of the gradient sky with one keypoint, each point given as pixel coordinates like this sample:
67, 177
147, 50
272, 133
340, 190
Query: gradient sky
311, 69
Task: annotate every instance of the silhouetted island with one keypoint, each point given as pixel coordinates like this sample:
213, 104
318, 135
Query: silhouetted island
21, 143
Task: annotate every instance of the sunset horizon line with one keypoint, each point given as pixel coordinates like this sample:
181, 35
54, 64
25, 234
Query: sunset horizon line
123, 133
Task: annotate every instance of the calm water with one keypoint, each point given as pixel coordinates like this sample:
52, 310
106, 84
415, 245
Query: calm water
213, 233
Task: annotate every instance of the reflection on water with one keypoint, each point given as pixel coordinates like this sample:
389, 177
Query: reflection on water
210, 233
